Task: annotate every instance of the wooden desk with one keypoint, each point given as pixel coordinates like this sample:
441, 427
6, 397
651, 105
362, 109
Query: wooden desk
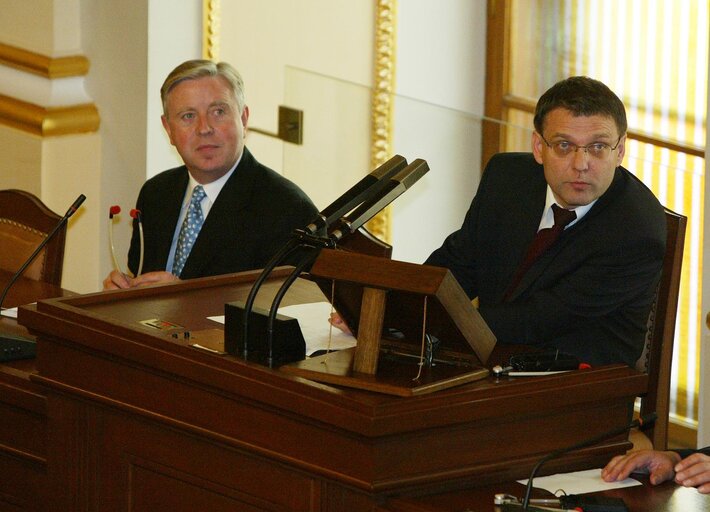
667, 497
23, 411
139, 420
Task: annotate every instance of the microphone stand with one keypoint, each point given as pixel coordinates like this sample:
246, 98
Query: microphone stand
301, 239
368, 186
385, 194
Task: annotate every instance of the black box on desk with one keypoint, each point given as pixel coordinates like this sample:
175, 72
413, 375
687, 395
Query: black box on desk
288, 344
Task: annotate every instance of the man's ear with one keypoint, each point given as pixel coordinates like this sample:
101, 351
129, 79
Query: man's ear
245, 116
537, 143
166, 125
621, 150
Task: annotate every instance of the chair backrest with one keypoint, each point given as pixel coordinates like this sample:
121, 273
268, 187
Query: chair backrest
657, 357
24, 222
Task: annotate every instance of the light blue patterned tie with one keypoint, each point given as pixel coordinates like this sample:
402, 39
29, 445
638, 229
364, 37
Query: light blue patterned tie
189, 230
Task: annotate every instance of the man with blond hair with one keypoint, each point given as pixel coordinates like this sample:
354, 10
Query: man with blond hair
222, 211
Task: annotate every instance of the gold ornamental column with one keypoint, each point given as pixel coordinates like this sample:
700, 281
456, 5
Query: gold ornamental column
383, 103
211, 10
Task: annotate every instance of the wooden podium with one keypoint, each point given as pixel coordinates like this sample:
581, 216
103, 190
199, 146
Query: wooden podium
416, 329
135, 418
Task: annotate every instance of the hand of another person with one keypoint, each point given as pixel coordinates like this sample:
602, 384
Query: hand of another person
337, 321
694, 471
658, 465
116, 279
158, 276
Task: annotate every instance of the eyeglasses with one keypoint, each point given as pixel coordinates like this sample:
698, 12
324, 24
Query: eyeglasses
599, 150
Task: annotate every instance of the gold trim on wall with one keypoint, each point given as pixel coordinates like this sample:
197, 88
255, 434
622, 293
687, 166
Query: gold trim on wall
47, 67
382, 104
211, 11
46, 122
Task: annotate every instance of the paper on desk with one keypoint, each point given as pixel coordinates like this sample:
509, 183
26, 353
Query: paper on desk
579, 482
313, 320
9, 312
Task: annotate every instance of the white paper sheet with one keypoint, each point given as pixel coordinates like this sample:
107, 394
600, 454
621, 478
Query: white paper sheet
579, 482
313, 320
9, 312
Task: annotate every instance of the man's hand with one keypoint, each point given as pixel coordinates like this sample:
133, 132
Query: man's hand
694, 471
658, 465
337, 321
116, 279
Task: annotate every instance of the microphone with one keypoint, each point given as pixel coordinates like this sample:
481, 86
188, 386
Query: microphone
395, 187
136, 214
362, 190
644, 421
14, 347
114, 210
376, 201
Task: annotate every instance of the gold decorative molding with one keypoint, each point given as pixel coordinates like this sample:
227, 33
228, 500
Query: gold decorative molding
47, 122
382, 104
47, 67
211, 17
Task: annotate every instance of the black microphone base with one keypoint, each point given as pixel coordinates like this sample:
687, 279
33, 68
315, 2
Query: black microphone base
288, 344
13, 348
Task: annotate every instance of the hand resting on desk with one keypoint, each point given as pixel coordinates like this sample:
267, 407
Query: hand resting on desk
116, 279
692, 471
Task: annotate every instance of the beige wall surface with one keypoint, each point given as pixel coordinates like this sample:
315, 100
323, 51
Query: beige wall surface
317, 56
47, 27
312, 56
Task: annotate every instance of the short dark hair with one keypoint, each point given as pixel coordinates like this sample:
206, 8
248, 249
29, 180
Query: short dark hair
199, 68
582, 96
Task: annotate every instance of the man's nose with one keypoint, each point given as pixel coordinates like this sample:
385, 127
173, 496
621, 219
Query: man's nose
581, 159
203, 125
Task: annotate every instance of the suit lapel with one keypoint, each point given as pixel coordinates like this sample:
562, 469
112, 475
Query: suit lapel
224, 216
569, 235
522, 226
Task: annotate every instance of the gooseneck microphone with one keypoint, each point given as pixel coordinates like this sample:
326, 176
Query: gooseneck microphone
315, 233
644, 421
399, 180
113, 211
8, 342
136, 214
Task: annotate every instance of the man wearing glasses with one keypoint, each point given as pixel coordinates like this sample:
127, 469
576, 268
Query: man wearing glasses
563, 247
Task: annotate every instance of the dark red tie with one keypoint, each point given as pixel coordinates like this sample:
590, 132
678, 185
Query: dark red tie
542, 241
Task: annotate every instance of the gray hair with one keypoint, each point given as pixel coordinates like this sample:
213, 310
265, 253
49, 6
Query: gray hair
199, 68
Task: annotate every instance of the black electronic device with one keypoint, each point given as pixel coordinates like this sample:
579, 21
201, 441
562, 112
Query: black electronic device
288, 343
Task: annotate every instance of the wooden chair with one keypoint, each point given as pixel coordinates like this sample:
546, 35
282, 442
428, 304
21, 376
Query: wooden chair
657, 357
24, 222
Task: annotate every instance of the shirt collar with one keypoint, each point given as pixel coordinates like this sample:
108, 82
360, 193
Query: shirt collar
548, 218
213, 188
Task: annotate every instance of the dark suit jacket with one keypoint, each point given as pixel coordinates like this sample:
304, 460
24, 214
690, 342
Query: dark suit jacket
590, 294
686, 453
251, 219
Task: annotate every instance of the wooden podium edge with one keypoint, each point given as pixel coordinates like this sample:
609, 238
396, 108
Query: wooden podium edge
393, 378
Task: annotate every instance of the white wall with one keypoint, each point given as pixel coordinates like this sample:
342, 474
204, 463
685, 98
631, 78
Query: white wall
317, 55
441, 52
